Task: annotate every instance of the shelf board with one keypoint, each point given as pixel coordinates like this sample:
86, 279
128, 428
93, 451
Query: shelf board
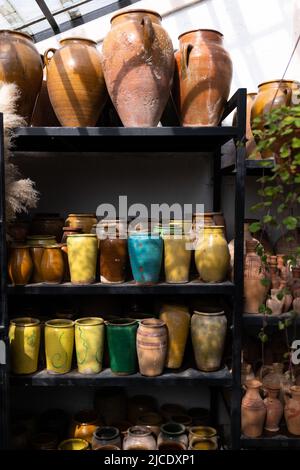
276, 442
127, 288
256, 319
253, 167
106, 377
116, 139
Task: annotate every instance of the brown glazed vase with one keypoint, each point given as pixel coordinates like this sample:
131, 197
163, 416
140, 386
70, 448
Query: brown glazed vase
292, 411
151, 345
20, 265
84, 222
205, 72
75, 82
20, 63
43, 113
52, 265
84, 424
253, 410
254, 292
36, 253
113, 251
138, 65
274, 409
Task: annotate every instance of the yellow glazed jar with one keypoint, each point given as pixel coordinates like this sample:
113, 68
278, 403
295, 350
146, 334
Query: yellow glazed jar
24, 340
177, 320
59, 343
82, 256
177, 253
89, 342
212, 254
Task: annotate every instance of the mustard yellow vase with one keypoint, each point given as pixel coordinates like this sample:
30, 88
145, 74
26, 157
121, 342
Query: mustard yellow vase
24, 340
212, 254
177, 320
59, 343
82, 256
89, 342
177, 253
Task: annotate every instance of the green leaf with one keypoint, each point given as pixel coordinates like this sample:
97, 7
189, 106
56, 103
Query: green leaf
281, 325
255, 227
268, 219
287, 322
263, 337
265, 282
295, 143
290, 222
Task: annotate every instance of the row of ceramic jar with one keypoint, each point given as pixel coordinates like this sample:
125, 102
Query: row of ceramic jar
79, 73
259, 414
156, 343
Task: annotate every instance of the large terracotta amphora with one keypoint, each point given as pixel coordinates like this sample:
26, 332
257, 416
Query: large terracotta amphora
138, 65
20, 63
255, 292
205, 73
253, 410
75, 82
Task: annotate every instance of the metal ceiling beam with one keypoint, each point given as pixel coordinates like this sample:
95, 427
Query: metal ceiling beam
48, 15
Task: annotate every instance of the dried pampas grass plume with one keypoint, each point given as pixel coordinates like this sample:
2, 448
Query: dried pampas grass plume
20, 194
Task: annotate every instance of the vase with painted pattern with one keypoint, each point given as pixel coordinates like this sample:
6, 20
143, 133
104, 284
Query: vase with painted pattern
89, 343
59, 343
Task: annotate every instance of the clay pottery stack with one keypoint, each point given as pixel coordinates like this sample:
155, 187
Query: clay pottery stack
75, 82
274, 409
255, 292
292, 411
89, 342
253, 410
84, 222
138, 65
139, 438
52, 266
212, 254
121, 339
82, 257
250, 141
21, 64
177, 320
204, 69
24, 341
20, 265
59, 343
208, 330
113, 251
84, 424
47, 224
152, 344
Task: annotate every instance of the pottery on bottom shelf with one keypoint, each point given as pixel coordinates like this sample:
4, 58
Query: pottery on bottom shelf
253, 410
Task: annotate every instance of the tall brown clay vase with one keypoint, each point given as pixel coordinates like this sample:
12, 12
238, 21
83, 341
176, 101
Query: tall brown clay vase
75, 82
204, 69
151, 344
20, 63
253, 410
274, 409
255, 292
138, 65
292, 411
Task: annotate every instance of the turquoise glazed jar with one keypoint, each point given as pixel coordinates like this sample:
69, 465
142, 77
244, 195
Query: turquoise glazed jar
121, 339
145, 254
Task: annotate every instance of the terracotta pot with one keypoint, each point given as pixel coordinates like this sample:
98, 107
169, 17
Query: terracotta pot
205, 72
274, 303
89, 342
246, 373
250, 141
82, 256
138, 405
151, 345
20, 265
113, 252
84, 222
75, 82
253, 410
74, 444
138, 64
254, 292
59, 343
208, 330
139, 438
21, 64
24, 341
292, 411
52, 266
44, 225
177, 320
212, 254
84, 424
106, 435
274, 410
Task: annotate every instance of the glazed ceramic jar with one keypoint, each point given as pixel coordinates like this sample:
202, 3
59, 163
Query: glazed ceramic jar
202, 432
84, 222
59, 343
36, 253
113, 251
145, 254
52, 266
121, 339
274, 409
138, 65
20, 265
152, 421
208, 330
43, 113
151, 345
74, 75
177, 320
21, 64
47, 224
41, 240
84, 424
74, 444
177, 254
106, 435
82, 256
172, 436
24, 341
255, 292
89, 342
111, 404
205, 71
253, 410
139, 438
203, 444
292, 411
212, 255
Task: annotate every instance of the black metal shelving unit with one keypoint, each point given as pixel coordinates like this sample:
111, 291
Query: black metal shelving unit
160, 139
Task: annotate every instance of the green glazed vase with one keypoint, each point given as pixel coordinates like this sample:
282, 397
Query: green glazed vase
121, 339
